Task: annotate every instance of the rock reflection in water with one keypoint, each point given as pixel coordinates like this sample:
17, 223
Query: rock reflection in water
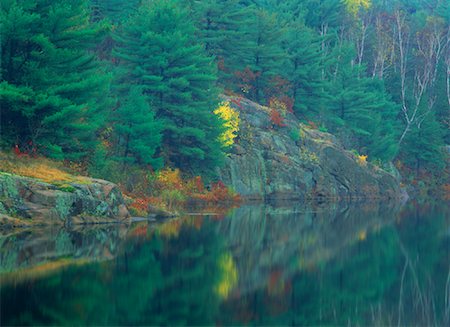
367, 264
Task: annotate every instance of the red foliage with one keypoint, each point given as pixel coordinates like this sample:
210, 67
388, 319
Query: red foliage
140, 231
278, 87
199, 186
237, 102
246, 78
17, 151
218, 193
446, 189
312, 124
221, 64
141, 204
276, 118
28, 149
289, 102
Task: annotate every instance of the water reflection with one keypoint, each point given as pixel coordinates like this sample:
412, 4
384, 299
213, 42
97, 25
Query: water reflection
260, 265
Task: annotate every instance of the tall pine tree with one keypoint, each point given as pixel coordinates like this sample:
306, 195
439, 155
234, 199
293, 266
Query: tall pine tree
138, 133
52, 90
260, 58
304, 70
158, 48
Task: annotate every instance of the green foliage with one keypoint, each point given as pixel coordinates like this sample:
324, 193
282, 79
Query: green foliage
334, 62
362, 107
157, 48
258, 61
294, 134
304, 70
53, 90
424, 146
116, 11
138, 133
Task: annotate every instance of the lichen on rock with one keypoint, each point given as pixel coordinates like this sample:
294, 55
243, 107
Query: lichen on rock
42, 203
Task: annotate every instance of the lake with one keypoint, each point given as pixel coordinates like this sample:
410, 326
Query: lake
339, 264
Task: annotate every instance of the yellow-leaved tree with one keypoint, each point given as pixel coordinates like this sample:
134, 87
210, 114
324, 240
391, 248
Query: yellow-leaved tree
230, 117
353, 6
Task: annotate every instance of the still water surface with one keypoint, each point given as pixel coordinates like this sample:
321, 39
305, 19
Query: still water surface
258, 265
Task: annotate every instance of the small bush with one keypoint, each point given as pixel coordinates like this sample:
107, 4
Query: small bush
276, 118
309, 157
231, 120
173, 198
294, 134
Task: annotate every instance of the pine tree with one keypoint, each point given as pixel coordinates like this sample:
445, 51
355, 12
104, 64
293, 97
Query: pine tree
116, 11
423, 147
323, 15
261, 56
362, 108
52, 90
138, 133
157, 47
221, 29
218, 24
304, 70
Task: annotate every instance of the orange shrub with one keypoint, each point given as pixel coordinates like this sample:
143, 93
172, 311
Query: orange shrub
276, 118
312, 124
219, 193
169, 179
446, 189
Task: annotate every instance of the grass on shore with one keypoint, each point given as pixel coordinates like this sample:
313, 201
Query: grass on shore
38, 167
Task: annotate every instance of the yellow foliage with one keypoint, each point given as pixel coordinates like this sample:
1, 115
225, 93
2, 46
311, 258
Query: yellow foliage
41, 270
231, 123
229, 275
169, 178
170, 229
362, 160
41, 168
362, 235
309, 156
354, 6
279, 105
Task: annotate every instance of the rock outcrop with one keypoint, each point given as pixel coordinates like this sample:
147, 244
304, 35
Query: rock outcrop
36, 202
295, 162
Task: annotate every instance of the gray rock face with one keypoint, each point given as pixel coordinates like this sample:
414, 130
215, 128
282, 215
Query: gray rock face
94, 201
295, 162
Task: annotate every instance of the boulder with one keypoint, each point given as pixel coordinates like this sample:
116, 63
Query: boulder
92, 201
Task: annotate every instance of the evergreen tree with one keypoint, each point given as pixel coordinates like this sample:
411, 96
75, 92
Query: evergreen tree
423, 147
138, 133
52, 89
157, 47
116, 11
261, 57
363, 108
221, 27
218, 24
304, 70
323, 15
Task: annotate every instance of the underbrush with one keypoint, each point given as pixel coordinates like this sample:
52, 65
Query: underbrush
169, 190
144, 190
424, 182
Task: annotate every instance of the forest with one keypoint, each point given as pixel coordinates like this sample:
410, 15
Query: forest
225, 162
112, 85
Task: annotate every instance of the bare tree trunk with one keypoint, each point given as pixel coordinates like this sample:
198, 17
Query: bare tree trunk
430, 45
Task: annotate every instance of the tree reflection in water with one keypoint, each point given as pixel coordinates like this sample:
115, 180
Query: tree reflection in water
261, 265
